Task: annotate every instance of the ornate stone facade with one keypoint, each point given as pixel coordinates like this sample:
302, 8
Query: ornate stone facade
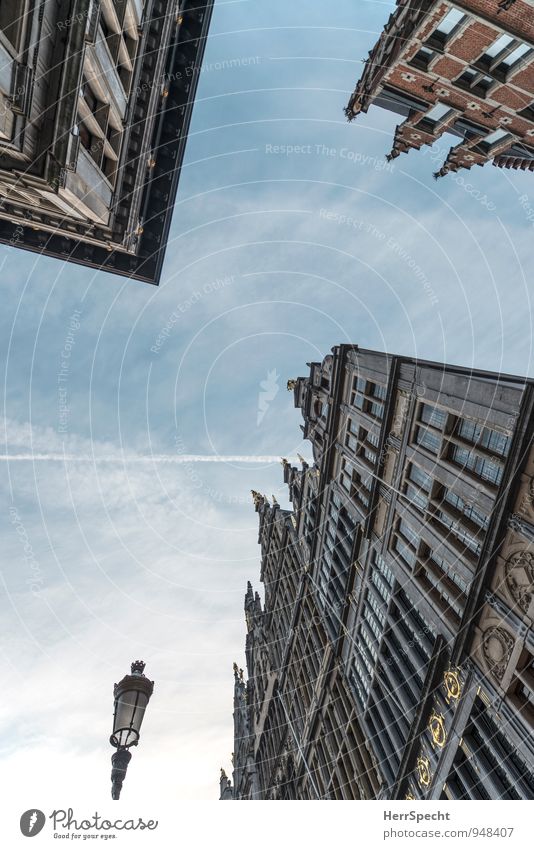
393, 653
95, 102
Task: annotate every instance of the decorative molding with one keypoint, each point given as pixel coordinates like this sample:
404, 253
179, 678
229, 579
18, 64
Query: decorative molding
436, 726
423, 770
453, 687
497, 645
519, 575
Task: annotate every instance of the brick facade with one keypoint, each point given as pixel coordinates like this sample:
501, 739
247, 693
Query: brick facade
466, 68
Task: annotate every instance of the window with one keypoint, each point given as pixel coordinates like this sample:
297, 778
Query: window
419, 477
360, 680
372, 439
405, 543
357, 392
360, 489
451, 20
372, 623
418, 495
468, 510
384, 570
485, 469
377, 391
495, 138
369, 642
351, 442
515, 56
377, 608
90, 98
363, 393
375, 409
474, 81
11, 21
502, 56
86, 139
369, 455
449, 571
528, 112
447, 28
459, 532
432, 416
502, 43
438, 112
446, 600
476, 434
422, 58
427, 439
381, 586
436, 116
408, 532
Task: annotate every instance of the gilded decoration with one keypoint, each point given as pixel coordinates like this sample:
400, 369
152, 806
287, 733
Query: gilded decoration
453, 687
423, 768
436, 725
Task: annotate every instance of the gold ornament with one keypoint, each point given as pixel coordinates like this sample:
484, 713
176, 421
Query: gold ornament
423, 768
436, 724
451, 679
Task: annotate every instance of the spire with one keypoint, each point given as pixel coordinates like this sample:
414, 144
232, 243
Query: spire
259, 499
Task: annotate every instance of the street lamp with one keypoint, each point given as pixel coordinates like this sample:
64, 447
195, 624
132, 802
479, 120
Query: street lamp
131, 698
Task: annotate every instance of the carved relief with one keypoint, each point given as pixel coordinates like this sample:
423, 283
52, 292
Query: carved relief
423, 770
519, 575
401, 411
436, 725
524, 505
453, 687
497, 645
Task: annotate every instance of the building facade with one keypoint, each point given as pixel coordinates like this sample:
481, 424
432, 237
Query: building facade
393, 654
465, 68
96, 98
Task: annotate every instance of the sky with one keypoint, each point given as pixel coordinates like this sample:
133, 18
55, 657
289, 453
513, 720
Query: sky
136, 419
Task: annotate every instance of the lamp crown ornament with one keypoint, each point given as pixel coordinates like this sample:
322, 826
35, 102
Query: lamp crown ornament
138, 667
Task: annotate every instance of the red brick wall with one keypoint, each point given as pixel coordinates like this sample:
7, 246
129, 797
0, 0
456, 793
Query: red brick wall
464, 48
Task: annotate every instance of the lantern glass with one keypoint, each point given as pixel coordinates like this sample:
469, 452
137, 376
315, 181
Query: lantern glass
129, 713
131, 698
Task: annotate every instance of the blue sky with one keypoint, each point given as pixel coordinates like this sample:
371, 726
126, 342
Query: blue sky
275, 256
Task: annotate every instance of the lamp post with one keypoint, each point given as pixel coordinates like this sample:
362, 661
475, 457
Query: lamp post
131, 696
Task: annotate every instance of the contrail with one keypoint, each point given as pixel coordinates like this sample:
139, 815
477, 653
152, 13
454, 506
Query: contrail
179, 459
